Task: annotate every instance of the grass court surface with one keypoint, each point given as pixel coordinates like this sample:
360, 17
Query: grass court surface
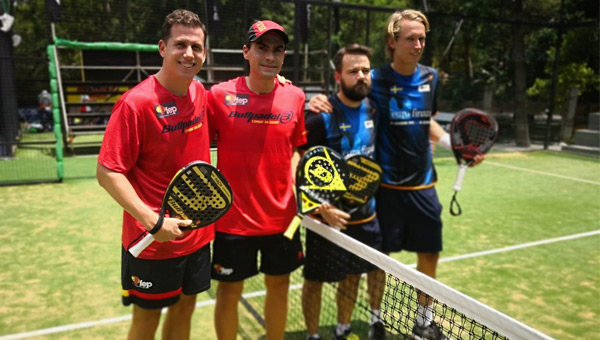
527, 244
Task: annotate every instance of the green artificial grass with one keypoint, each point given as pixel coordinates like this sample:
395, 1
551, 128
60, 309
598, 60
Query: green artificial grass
61, 250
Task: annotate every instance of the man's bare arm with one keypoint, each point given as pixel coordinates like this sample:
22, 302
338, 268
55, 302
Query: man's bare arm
121, 190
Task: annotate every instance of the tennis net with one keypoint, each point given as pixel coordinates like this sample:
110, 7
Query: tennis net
455, 315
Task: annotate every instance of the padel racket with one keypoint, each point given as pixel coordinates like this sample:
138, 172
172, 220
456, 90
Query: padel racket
364, 179
197, 192
321, 177
472, 132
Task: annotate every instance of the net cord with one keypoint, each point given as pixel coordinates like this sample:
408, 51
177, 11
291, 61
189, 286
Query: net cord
472, 308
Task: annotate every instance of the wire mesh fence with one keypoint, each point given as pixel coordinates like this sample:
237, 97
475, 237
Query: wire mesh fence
473, 46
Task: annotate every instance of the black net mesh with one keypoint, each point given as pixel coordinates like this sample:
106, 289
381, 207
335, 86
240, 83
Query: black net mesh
328, 296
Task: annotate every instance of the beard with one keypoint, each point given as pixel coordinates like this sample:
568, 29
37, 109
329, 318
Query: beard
357, 92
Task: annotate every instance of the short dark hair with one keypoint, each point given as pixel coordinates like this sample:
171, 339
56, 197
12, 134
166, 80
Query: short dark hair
181, 17
349, 49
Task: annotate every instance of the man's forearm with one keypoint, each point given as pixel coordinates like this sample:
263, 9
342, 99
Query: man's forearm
121, 190
435, 131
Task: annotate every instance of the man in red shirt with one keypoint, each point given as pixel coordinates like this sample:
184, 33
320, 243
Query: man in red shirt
259, 123
155, 129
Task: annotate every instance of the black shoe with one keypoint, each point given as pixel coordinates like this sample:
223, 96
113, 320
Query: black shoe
313, 338
431, 332
377, 331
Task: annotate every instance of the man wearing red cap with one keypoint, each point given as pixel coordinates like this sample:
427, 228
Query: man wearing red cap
259, 123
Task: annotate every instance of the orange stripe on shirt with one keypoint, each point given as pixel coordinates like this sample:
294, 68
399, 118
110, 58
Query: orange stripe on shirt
420, 187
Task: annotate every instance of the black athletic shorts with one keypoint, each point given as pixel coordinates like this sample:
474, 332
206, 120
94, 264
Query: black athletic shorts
327, 262
410, 220
158, 283
235, 257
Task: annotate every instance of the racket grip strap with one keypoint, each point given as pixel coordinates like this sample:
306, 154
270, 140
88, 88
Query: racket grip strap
140, 246
158, 224
455, 209
291, 230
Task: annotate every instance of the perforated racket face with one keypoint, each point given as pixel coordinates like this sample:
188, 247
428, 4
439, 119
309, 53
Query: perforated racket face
199, 192
364, 179
321, 177
472, 132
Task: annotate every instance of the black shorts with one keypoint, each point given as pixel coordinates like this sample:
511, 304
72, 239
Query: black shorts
235, 257
327, 262
410, 220
158, 283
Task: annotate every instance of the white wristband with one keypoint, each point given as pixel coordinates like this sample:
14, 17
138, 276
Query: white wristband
445, 142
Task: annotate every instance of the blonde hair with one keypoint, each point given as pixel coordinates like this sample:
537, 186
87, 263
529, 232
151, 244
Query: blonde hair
394, 27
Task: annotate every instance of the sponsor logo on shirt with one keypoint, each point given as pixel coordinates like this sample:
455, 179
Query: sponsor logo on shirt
369, 124
367, 150
186, 126
263, 118
166, 110
141, 283
236, 99
424, 88
412, 117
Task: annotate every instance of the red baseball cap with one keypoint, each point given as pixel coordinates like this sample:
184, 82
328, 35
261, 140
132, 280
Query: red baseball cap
261, 27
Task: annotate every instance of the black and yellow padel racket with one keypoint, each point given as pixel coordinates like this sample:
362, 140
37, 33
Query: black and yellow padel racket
197, 192
364, 178
321, 177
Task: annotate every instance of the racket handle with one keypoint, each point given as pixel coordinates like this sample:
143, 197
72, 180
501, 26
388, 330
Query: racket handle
460, 176
291, 230
140, 246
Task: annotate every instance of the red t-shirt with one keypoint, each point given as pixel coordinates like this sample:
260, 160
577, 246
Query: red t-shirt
256, 135
151, 134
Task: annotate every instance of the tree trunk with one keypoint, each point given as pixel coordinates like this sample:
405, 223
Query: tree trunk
566, 128
520, 84
488, 97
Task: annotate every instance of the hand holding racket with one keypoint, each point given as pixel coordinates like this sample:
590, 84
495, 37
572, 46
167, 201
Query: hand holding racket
197, 192
320, 178
472, 133
364, 178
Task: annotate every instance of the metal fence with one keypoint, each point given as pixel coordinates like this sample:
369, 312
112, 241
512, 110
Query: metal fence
316, 28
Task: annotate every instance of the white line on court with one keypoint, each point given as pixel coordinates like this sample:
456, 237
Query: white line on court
81, 325
541, 173
519, 246
123, 318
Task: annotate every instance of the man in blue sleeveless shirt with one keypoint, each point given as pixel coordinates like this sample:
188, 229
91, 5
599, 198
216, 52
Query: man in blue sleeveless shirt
350, 130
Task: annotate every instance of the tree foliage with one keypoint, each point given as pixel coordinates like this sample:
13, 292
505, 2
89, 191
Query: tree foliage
471, 42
